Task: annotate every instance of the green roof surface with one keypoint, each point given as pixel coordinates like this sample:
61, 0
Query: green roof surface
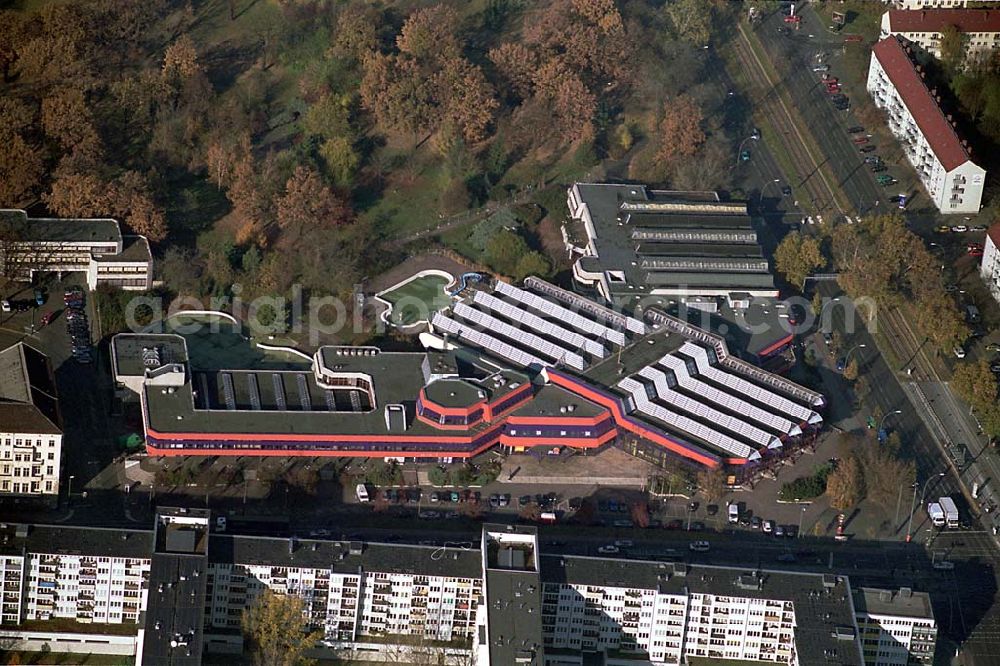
60, 230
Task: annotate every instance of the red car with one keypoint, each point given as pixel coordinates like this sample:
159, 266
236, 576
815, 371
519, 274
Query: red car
975, 253
852, 38
860, 140
47, 318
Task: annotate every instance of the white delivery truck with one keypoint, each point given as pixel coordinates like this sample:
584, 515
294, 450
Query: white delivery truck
936, 514
950, 512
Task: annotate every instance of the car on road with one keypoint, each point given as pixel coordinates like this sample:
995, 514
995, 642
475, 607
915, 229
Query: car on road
624, 543
429, 515
787, 557
699, 546
821, 68
867, 149
959, 352
779, 530
755, 134
959, 229
994, 367
786, 191
220, 523
993, 347
318, 533
942, 229
944, 565
768, 526
872, 159
855, 129
504, 500
610, 549
745, 156
978, 227
755, 523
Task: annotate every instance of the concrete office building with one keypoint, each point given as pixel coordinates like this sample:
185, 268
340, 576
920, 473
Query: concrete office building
989, 268
923, 27
30, 426
896, 627
184, 589
95, 247
942, 160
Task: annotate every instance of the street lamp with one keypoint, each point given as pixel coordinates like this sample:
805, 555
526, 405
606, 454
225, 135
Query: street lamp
882, 422
69, 489
739, 148
913, 508
760, 201
847, 358
798, 535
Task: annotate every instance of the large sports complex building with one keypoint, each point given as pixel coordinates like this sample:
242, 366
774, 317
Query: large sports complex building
514, 367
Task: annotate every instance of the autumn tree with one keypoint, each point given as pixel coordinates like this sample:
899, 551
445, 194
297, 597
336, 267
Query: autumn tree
180, 61
975, 383
567, 100
277, 632
308, 204
22, 166
67, 118
797, 256
851, 370
75, 194
431, 34
356, 35
516, 64
885, 473
845, 484
712, 483
691, 20
679, 133
396, 93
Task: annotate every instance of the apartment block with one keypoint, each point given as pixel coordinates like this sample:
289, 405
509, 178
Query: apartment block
504, 602
95, 247
896, 627
944, 4
941, 159
989, 268
30, 426
924, 27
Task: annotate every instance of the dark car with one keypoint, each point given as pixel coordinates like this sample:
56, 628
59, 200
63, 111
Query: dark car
575, 503
878, 168
712, 509
786, 191
524, 500
674, 524
841, 363
855, 129
868, 149
697, 526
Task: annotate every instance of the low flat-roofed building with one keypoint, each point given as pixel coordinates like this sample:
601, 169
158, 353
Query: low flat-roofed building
30, 426
924, 27
637, 242
943, 4
942, 160
95, 247
896, 627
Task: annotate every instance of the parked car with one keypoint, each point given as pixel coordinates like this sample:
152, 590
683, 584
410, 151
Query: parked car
504, 500
877, 168
860, 140
786, 191
942, 229
608, 550
959, 229
779, 530
978, 227
624, 543
524, 500
712, 509
575, 503
993, 346
755, 523
745, 156
674, 524
697, 526
855, 129
867, 149
699, 546
768, 526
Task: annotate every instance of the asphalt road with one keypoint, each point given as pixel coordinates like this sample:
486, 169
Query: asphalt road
827, 125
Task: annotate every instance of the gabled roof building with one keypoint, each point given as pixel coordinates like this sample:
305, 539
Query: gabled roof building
942, 160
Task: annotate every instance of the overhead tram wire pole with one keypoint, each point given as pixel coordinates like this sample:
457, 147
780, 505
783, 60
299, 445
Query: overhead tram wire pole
881, 423
847, 357
913, 508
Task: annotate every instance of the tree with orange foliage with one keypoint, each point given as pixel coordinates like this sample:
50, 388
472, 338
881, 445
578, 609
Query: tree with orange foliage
467, 98
309, 204
21, 168
75, 194
517, 64
67, 119
430, 34
568, 98
679, 132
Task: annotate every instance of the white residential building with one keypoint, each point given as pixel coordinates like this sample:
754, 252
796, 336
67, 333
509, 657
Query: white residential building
30, 432
95, 247
923, 27
941, 4
942, 160
989, 269
896, 627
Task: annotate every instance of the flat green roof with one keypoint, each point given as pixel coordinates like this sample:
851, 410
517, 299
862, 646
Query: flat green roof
57, 230
127, 349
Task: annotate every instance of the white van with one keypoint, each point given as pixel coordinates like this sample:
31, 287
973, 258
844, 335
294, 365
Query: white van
5, 305
361, 492
734, 512
821, 68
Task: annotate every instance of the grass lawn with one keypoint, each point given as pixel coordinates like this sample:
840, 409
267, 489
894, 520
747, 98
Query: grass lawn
415, 300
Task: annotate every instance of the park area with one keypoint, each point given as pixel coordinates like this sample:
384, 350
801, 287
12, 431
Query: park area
415, 300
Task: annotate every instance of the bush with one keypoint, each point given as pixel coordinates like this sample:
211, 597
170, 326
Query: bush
439, 476
806, 487
381, 473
